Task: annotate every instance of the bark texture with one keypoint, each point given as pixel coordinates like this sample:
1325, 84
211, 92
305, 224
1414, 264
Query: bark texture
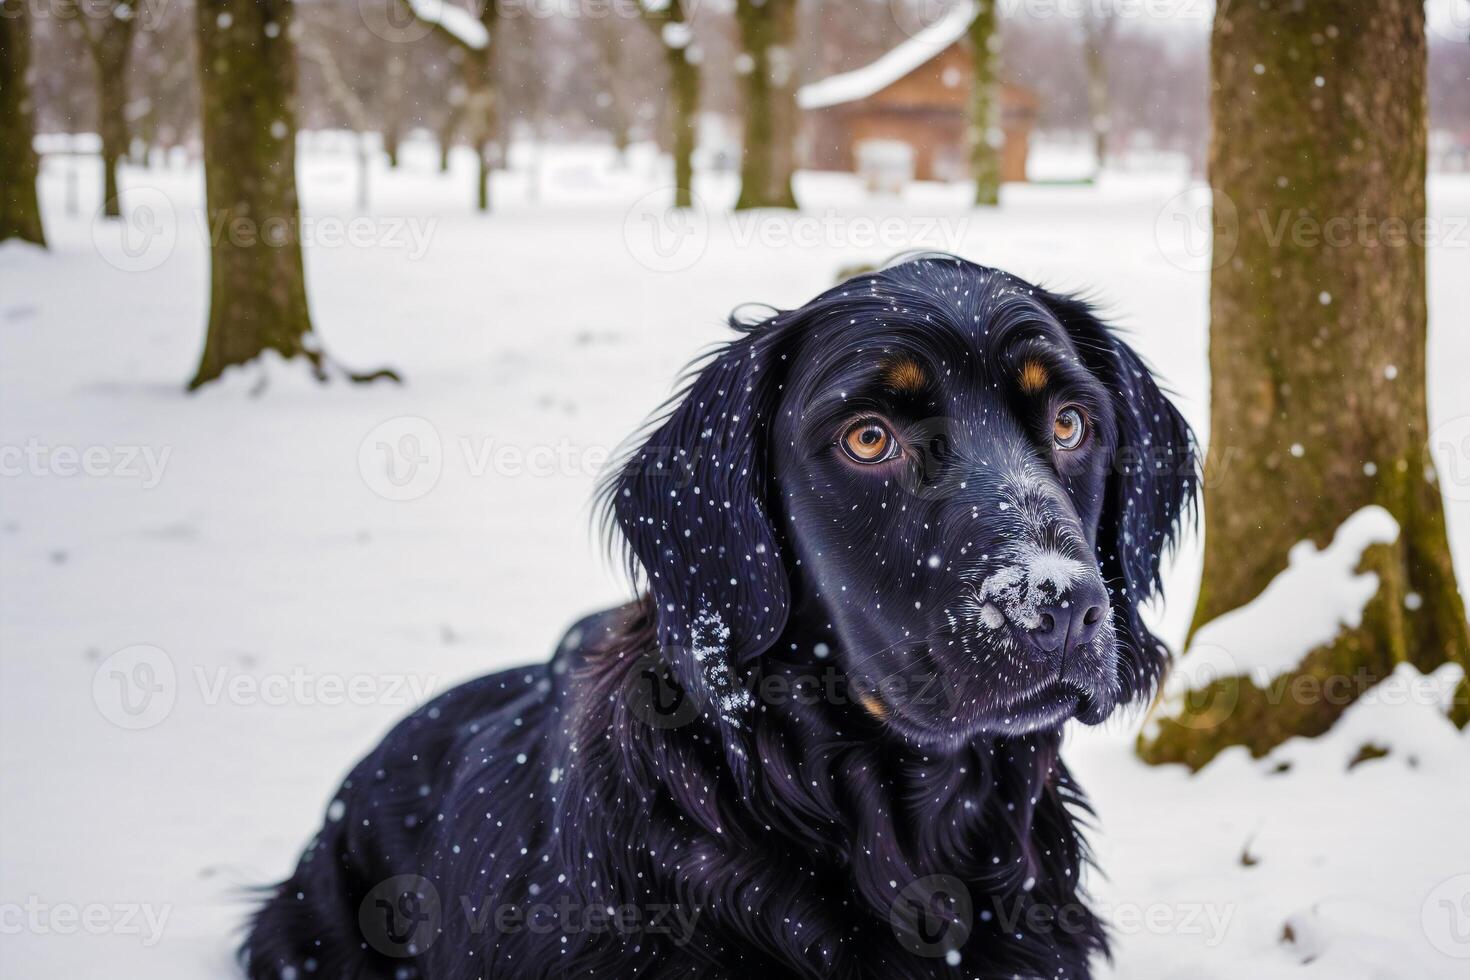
1099, 24
479, 121
768, 80
447, 129
684, 81
20, 212
683, 94
393, 108
984, 41
1317, 352
257, 300
110, 39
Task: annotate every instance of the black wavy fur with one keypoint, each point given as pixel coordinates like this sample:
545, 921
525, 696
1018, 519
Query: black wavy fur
679, 792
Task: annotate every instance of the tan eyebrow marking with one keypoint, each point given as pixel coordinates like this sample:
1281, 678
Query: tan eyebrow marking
906, 375
1033, 377
873, 706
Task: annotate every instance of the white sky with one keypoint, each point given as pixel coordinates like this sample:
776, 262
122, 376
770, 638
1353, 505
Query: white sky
1448, 19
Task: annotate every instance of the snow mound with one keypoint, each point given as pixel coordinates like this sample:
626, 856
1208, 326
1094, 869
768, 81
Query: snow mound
15, 248
268, 372
1316, 861
1406, 716
1315, 597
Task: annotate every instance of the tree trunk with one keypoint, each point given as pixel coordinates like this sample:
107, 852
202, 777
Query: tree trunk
479, 110
1098, 26
477, 113
1317, 353
446, 136
621, 135
482, 177
984, 153
20, 212
111, 44
393, 106
683, 92
684, 80
768, 79
257, 300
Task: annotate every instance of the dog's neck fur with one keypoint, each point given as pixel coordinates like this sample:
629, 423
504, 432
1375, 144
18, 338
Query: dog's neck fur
840, 820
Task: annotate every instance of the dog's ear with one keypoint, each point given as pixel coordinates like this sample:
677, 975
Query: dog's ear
691, 505
1152, 482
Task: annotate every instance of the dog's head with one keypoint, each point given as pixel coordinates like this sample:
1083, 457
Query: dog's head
946, 479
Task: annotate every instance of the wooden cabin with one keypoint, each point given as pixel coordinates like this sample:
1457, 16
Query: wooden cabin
908, 112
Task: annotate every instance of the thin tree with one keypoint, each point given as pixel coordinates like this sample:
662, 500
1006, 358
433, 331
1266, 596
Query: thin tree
109, 38
671, 22
609, 41
449, 124
767, 68
472, 36
163, 106
257, 299
984, 39
1317, 355
526, 51
1099, 25
341, 93
20, 212
396, 80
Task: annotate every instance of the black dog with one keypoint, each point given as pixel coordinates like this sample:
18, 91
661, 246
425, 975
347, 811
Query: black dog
892, 541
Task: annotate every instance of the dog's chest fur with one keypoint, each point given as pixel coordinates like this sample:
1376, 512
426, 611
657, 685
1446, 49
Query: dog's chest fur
842, 861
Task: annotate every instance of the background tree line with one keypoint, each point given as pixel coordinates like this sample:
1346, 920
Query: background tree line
593, 76
1123, 82
1323, 109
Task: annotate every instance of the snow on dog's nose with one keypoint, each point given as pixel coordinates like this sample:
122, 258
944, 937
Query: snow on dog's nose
1034, 577
1056, 603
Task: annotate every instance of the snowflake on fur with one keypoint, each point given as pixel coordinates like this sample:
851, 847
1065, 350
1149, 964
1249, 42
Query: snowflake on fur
709, 640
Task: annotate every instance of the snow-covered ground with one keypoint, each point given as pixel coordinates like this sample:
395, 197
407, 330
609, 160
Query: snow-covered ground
211, 605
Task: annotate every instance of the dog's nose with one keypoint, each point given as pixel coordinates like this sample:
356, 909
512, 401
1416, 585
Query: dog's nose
1070, 623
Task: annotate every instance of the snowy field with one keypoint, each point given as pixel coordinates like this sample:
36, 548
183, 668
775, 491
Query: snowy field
210, 606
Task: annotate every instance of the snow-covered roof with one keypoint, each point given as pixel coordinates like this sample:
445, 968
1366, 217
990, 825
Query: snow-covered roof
459, 22
860, 83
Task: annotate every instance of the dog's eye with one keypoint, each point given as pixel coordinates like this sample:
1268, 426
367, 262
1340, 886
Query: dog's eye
1069, 429
869, 442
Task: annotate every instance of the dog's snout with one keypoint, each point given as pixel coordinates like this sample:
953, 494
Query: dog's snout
1071, 622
